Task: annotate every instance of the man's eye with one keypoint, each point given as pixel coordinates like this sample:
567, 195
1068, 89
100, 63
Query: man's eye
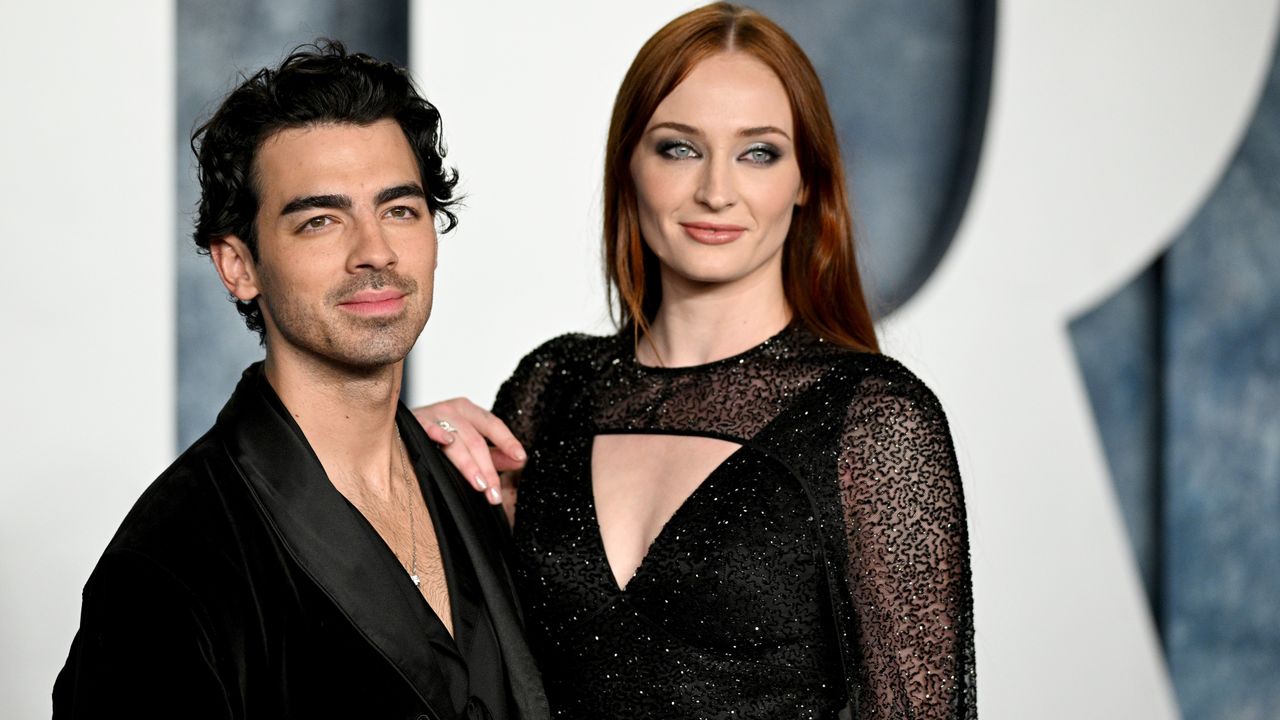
316, 223
402, 212
677, 150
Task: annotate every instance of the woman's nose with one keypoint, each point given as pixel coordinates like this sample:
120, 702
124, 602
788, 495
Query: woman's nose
716, 186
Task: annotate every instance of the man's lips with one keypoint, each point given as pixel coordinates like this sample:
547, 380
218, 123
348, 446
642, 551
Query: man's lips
713, 233
374, 302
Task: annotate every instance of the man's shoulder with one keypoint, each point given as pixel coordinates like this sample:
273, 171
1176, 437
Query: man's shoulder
187, 511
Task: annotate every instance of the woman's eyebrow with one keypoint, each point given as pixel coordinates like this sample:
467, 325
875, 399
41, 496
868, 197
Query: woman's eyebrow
678, 127
744, 132
763, 130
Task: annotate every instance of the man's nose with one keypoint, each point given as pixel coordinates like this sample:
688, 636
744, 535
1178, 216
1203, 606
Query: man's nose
371, 249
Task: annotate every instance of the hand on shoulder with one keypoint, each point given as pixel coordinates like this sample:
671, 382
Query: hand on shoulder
476, 441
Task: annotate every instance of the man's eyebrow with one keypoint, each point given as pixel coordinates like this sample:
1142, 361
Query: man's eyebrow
338, 202
399, 191
342, 202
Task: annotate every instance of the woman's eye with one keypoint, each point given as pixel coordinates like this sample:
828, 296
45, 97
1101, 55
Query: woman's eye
677, 150
761, 155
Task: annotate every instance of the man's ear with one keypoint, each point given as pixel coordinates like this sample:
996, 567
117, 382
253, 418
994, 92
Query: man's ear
235, 266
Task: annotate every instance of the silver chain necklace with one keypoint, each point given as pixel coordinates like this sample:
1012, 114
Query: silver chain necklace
408, 490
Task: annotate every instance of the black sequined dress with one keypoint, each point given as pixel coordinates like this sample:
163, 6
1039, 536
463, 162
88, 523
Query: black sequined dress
825, 561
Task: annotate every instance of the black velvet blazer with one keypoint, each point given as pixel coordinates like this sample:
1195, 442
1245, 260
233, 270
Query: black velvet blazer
243, 585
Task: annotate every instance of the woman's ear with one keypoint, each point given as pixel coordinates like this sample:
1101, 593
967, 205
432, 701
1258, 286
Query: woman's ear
235, 266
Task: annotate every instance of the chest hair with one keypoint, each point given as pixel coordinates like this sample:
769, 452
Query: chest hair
390, 519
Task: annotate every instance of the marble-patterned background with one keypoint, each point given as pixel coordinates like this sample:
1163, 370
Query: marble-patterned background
1183, 370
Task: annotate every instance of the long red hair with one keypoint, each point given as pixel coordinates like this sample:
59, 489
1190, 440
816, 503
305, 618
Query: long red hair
819, 268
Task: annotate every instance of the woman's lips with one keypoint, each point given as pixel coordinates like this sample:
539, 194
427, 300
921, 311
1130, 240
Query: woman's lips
713, 233
374, 302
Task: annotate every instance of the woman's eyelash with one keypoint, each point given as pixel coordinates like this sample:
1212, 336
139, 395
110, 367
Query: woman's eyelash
758, 154
762, 154
676, 149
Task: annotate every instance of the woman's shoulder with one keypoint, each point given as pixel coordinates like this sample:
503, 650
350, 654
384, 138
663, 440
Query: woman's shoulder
568, 356
876, 379
892, 424
569, 348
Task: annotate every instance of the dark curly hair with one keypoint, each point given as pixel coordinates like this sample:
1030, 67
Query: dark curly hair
316, 83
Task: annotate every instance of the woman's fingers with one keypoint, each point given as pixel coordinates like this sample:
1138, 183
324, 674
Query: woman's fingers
465, 430
486, 474
497, 434
502, 462
438, 435
460, 455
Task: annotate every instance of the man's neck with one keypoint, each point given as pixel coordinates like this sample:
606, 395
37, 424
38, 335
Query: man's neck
347, 415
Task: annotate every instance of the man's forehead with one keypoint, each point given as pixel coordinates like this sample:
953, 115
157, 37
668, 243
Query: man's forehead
333, 157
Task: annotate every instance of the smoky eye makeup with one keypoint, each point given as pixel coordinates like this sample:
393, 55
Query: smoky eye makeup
676, 149
762, 153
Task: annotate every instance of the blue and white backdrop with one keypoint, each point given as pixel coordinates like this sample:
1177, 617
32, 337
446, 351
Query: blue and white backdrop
1071, 225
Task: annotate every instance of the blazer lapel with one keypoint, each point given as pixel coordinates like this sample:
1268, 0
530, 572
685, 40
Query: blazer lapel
336, 548
482, 537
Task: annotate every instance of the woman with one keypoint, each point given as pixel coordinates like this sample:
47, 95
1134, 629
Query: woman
735, 507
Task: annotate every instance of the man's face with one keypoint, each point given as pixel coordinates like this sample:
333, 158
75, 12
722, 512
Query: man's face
346, 245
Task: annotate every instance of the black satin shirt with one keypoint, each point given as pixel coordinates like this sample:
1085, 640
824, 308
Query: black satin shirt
243, 585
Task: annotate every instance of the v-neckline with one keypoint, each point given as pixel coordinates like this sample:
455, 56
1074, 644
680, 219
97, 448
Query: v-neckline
610, 577
437, 633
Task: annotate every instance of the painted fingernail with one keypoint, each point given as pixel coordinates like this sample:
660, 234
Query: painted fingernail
494, 496
481, 483
451, 439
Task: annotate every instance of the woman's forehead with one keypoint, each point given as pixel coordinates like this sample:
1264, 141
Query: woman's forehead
730, 92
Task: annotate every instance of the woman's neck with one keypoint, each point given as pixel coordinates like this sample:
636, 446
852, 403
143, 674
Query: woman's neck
702, 323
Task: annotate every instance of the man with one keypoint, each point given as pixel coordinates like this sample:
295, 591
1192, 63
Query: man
312, 554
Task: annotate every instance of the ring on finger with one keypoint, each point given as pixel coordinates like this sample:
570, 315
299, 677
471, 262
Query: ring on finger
447, 426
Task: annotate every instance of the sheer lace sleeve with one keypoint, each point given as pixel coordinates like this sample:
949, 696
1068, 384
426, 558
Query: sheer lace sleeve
908, 554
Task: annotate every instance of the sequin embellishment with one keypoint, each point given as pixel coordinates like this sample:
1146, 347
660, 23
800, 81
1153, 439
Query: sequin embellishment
826, 560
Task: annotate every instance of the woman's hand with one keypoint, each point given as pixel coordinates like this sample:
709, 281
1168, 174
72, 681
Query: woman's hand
465, 430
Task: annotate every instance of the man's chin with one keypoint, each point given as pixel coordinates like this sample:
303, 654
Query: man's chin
372, 343
370, 357
360, 347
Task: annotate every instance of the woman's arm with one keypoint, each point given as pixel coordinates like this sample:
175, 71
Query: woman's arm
908, 556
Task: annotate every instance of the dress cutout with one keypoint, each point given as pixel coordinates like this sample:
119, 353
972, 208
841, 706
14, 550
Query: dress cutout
639, 481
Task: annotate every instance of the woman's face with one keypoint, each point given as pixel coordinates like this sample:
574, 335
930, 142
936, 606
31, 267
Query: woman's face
716, 174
